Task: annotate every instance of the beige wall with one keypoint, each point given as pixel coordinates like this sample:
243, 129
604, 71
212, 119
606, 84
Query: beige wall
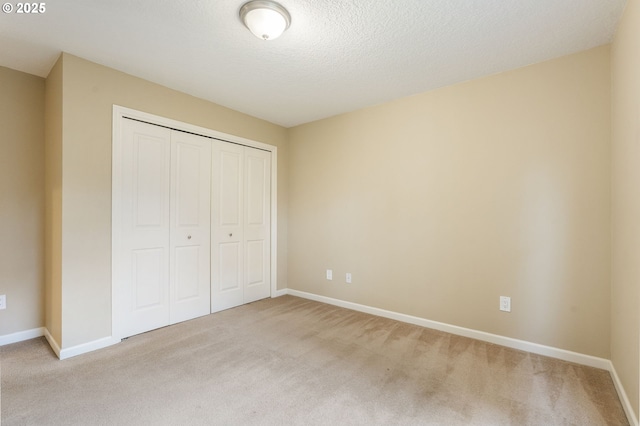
441, 202
89, 91
21, 201
625, 318
53, 202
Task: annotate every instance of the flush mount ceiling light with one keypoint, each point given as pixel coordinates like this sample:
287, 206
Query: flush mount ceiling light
265, 19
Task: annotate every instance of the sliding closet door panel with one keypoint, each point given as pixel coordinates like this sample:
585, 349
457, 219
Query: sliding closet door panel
227, 210
257, 194
143, 280
190, 226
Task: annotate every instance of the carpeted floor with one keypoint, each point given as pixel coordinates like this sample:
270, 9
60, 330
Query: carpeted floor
290, 361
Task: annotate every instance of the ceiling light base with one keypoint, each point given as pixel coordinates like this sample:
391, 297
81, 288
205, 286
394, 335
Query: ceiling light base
266, 19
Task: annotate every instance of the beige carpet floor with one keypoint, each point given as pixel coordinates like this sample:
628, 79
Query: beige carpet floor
290, 361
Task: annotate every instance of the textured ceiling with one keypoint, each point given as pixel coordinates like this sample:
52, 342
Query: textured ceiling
337, 56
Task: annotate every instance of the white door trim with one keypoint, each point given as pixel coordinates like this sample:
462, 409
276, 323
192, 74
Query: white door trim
119, 113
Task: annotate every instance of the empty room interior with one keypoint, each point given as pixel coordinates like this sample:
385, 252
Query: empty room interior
413, 212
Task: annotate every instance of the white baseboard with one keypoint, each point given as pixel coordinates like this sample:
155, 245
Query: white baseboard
21, 336
624, 399
466, 332
79, 349
279, 293
52, 342
88, 347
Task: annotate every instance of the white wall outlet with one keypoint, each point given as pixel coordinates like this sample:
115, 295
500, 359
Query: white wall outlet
329, 274
348, 278
505, 303
3, 301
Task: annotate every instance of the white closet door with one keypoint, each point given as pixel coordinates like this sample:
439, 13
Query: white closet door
143, 281
241, 230
190, 237
257, 228
227, 211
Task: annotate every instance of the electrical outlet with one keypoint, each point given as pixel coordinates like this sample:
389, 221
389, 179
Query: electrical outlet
3, 301
348, 278
329, 274
505, 303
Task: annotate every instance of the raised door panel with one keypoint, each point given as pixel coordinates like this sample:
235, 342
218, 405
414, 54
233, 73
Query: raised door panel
147, 278
227, 211
256, 253
229, 259
187, 274
230, 166
190, 226
142, 275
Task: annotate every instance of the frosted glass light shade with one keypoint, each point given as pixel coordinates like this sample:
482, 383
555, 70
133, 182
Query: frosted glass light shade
265, 19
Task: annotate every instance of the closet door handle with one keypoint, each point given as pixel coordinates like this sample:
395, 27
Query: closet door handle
231, 235
188, 237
